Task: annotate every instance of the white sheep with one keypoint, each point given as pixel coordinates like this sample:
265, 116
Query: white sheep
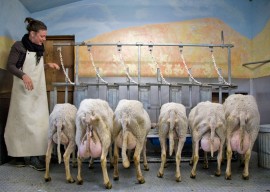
243, 120
207, 124
61, 131
94, 122
131, 126
172, 124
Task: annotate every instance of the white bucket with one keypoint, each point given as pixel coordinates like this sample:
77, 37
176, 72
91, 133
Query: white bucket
264, 146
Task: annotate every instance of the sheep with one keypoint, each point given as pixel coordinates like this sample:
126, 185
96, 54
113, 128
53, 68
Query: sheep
94, 122
173, 124
243, 119
131, 126
207, 123
61, 131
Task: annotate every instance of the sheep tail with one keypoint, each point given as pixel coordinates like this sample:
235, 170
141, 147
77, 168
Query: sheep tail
124, 122
242, 128
59, 130
212, 134
171, 121
125, 135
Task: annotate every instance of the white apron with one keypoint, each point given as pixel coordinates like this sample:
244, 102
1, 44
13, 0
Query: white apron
26, 131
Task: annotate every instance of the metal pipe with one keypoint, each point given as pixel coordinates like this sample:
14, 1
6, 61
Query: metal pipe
59, 84
77, 66
55, 96
229, 66
139, 63
128, 92
190, 96
251, 86
229, 74
159, 96
144, 44
66, 88
220, 95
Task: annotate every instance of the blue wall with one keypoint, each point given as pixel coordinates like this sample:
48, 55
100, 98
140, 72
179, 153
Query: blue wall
12, 15
87, 19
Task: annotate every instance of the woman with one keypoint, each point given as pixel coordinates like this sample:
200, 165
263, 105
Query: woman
27, 124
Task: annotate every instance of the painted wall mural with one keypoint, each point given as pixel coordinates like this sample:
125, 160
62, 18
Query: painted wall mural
5, 44
198, 31
261, 52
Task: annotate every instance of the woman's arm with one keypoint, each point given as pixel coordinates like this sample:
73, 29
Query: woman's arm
15, 53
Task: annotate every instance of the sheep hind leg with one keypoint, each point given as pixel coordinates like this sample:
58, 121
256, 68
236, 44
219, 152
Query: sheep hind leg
48, 159
219, 158
74, 162
125, 160
79, 177
115, 162
192, 156
111, 157
228, 174
178, 158
145, 164
68, 152
245, 174
103, 160
195, 159
163, 157
137, 153
205, 161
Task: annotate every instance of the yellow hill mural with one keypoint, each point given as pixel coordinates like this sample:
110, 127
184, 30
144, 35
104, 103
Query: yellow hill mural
5, 44
261, 52
199, 31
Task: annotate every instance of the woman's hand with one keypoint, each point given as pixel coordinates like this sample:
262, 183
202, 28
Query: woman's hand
53, 65
27, 82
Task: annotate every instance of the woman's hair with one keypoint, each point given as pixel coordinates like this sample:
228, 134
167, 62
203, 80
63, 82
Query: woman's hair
34, 25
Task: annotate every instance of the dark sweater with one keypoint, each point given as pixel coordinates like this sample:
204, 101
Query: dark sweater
16, 55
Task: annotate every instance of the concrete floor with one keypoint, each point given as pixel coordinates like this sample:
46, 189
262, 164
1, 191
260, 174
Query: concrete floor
13, 179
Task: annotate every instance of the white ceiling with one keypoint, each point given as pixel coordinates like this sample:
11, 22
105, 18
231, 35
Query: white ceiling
40, 5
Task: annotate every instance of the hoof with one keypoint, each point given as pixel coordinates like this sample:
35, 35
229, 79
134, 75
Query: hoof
191, 163
228, 177
178, 179
126, 164
116, 178
108, 185
160, 175
71, 180
74, 165
141, 181
48, 179
80, 182
205, 166
217, 174
165, 165
245, 177
192, 176
146, 168
90, 166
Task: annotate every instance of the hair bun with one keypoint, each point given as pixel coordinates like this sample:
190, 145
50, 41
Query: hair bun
29, 19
